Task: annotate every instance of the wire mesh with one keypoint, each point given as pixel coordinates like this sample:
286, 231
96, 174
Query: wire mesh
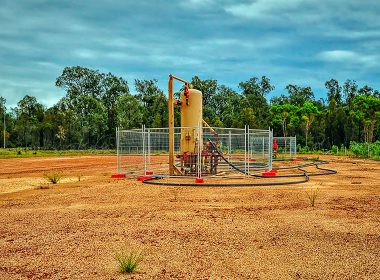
218, 152
130, 150
287, 147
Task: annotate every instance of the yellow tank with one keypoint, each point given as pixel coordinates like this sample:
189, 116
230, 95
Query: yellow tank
191, 118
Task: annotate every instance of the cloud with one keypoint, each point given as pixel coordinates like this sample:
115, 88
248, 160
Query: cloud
349, 57
261, 9
289, 41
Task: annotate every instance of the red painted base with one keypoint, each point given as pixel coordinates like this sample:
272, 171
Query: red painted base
116, 176
148, 172
296, 159
199, 180
268, 174
143, 178
274, 170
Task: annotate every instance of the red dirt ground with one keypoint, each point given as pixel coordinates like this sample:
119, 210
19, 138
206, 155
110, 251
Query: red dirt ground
73, 229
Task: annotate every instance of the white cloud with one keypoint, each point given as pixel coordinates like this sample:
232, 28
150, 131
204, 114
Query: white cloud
197, 3
85, 53
262, 8
347, 56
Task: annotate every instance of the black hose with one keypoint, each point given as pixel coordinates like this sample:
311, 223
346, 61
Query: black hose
306, 175
151, 181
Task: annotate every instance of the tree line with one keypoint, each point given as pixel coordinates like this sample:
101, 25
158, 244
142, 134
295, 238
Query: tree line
96, 103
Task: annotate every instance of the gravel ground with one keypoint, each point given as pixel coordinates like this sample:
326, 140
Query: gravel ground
73, 229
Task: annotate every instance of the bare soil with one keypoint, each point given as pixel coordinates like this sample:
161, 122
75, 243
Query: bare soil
72, 230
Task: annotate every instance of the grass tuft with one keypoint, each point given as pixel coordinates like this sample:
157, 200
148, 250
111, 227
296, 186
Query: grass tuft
175, 193
312, 194
53, 177
128, 260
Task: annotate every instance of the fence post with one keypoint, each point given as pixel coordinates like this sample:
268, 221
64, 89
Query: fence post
117, 151
199, 156
143, 147
229, 146
149, 164
270, 148
248, 149
245, 149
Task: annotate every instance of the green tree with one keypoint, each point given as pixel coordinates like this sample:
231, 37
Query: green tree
209, 89
226, 105
80, 83
29, 118
255, 91
93, 120
367, 110
129, 112
285, 115
334, 91
155, 104
308, 114
297, 95
246, 117
3, 118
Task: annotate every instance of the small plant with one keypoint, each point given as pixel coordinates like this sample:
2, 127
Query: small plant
312, 195
175, 192
54, 177
128, 260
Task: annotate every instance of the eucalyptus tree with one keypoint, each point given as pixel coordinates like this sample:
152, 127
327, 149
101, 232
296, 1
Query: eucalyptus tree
154, 102
308, 113
129, 112
284, 115
3, 114
367, 111
29, 121
255, 91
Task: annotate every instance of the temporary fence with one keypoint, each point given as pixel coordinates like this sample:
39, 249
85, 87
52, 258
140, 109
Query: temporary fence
218, 152
286, 147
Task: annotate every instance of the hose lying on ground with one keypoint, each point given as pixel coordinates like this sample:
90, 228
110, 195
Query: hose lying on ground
305, 175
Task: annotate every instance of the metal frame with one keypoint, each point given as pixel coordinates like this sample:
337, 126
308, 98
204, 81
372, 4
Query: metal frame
148, 150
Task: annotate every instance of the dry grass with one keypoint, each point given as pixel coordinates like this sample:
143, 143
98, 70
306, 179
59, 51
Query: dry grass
53, 177
312, 195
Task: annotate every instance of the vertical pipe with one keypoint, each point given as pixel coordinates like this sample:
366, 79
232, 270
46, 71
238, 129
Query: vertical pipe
171, 125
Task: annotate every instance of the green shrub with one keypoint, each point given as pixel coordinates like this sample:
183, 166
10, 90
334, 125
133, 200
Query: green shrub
365, 149
128, 260
53, 177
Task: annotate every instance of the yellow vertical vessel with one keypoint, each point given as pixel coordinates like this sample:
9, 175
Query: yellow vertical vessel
191, 119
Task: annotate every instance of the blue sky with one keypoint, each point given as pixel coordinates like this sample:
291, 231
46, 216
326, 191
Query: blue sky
290, 41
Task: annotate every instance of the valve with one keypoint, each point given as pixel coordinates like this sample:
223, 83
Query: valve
187, 93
